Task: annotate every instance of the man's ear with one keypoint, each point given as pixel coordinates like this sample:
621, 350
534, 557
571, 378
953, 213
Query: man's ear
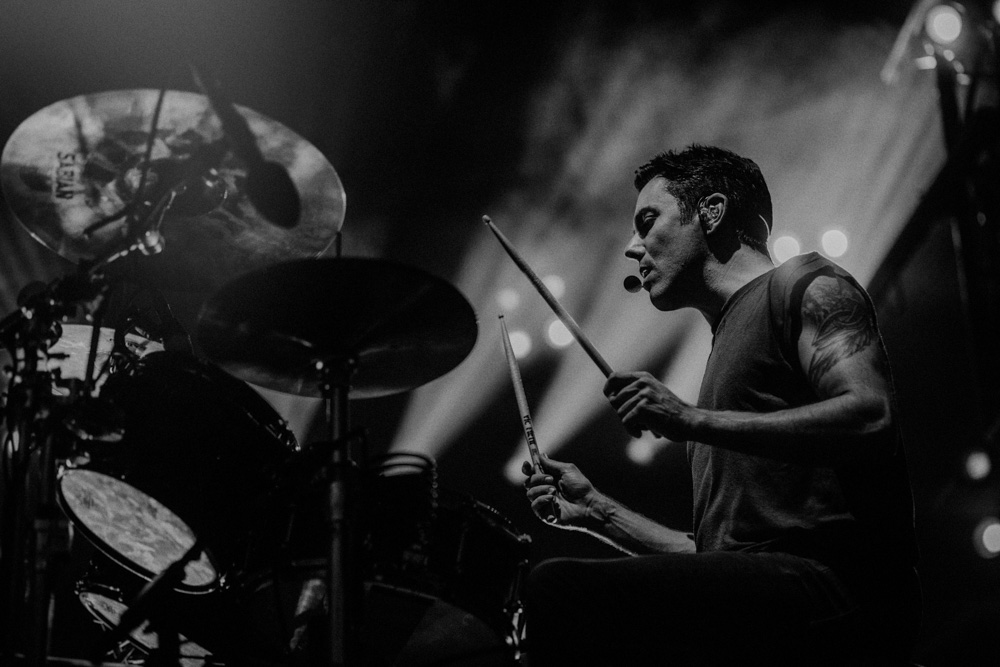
711, 211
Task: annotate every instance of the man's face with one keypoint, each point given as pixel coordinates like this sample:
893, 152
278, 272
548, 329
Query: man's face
667, 247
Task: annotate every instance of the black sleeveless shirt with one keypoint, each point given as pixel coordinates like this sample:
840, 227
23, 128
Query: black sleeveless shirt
751, 503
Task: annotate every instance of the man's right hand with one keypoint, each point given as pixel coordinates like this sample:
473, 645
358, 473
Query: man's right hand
560, 494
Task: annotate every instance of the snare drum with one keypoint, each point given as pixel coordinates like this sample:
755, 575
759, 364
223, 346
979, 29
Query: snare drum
478, 560
197, 460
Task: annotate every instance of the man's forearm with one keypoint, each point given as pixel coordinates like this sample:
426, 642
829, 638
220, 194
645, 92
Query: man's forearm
635, 532
831, 432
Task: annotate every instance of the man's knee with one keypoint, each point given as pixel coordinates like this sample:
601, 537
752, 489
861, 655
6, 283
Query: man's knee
555, 578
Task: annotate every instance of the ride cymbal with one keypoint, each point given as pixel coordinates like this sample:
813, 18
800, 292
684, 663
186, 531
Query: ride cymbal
401, 327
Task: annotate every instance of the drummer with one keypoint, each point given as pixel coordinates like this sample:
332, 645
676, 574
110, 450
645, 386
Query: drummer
803, 548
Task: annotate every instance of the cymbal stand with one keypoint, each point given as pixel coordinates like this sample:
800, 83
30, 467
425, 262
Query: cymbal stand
344, 622
34, 533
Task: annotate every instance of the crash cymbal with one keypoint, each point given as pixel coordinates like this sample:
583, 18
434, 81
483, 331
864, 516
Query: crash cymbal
403, 327
78, 163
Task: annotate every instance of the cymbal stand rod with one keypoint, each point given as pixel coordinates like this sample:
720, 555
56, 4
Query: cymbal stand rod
14, 525
14, 522
95, 339
131, 210
50, 551
335, 386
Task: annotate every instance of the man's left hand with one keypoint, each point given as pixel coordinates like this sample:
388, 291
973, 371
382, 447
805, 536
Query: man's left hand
645, 403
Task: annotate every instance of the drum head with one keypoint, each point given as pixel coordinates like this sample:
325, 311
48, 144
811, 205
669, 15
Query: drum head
105, 604
132, 528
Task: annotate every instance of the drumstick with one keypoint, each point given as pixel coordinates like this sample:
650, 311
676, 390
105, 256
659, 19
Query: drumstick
560, 312
522, 401
522, 404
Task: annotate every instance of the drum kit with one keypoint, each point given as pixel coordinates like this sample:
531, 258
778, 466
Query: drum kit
213, 536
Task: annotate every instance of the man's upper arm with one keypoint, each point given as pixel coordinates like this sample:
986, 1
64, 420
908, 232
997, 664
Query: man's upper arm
839, 348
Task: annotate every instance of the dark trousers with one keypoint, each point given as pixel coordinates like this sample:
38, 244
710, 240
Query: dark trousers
707, 609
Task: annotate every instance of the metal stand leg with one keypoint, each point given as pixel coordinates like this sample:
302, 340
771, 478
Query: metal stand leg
344, 621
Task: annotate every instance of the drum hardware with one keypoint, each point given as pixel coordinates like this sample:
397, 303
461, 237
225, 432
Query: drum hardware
402, 326
70, 174
34, 531
107, 605
400, 497
306, 327
105, 593
145, 608
283, 580
268, 186
441, 573
145, 460
94, 181
199, 458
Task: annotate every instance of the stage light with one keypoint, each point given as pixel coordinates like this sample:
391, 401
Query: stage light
556, 285
978, 465
785, 247
943, 24
834, 243
508, 298
520, 342
558, 335
987, 537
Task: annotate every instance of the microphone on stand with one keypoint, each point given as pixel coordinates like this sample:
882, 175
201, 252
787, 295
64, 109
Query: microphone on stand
269, 187
632, 284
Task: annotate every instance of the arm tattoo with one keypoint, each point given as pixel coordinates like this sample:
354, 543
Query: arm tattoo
843, 323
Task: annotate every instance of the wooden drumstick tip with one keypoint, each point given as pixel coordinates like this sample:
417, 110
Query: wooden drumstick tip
487, 220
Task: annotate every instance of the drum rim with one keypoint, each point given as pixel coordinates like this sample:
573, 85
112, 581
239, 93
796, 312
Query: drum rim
86, 585
234, 391
116, 557
493, 517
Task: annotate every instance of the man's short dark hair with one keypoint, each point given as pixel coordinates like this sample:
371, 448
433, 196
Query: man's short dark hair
697, 171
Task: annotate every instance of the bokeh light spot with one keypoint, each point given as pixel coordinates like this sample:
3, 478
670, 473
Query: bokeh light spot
559, 336
943, 24
555, 284
641, 451
834, 243
987, 537
520, 342
508, 298
785, 247
978, 465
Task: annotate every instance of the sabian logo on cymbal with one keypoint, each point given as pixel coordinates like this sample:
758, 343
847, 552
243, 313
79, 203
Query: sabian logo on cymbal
67, 180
